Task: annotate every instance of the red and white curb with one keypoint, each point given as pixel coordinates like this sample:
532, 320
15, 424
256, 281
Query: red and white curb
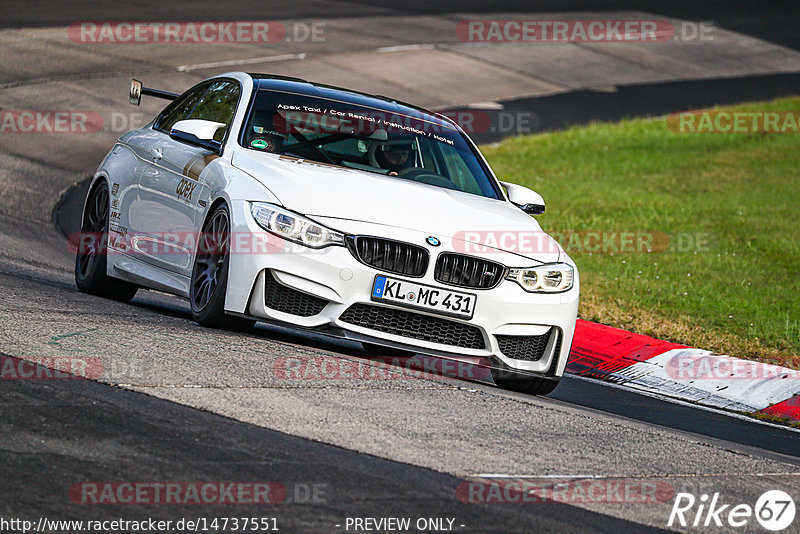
686, 373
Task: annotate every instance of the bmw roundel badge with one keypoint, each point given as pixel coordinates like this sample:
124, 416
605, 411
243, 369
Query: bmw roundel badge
432, 241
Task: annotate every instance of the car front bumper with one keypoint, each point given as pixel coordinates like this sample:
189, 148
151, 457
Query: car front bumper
335, 275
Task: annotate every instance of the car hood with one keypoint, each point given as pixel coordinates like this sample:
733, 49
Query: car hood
321, 190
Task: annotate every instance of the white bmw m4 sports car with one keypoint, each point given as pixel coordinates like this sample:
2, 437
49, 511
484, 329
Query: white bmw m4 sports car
264, 198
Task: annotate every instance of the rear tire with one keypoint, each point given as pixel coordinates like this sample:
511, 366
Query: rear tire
523, 383
210, 275
91, 258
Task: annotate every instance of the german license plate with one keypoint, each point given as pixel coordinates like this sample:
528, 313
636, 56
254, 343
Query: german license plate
424, 297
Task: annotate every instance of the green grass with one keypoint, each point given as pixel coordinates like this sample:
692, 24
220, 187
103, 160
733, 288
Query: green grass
740, 293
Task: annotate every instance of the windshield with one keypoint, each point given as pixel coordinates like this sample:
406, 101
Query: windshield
412, 146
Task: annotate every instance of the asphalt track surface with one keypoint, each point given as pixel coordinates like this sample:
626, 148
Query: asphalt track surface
773, 21
179, 402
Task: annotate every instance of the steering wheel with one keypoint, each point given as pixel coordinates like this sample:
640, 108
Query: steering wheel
412, 172
425, 176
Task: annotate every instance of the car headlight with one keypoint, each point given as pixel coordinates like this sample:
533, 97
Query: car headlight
294, 227
550, 278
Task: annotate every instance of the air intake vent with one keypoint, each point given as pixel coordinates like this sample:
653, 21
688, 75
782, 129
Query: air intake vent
391, 256
287, 300
467, 271
414, 325
527, 348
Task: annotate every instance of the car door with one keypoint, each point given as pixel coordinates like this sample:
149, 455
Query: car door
172, 184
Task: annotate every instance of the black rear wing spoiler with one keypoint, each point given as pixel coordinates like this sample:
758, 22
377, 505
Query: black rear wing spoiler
136, 92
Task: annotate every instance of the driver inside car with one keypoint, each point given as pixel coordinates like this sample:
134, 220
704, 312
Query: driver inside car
394, 156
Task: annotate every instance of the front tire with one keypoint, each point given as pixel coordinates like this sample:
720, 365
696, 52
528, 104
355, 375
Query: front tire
91, 259
522, 383
210, 274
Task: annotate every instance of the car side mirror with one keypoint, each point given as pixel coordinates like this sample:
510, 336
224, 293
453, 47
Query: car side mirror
197, 132
525, 199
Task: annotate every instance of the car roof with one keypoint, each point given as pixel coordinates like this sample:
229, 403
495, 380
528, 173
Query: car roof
321, 90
